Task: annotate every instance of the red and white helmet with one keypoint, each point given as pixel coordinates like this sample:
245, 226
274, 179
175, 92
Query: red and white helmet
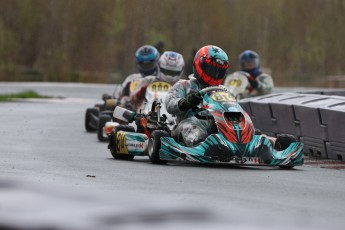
170, 67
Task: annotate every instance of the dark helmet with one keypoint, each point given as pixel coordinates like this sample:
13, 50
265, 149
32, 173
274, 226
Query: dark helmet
147, 60
250, 62
210, 65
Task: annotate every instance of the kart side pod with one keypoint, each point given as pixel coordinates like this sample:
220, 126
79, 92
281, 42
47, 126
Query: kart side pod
131, 143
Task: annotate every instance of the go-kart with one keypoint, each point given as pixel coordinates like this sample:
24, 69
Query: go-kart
92, 114
234, 140
128, 141
105, 115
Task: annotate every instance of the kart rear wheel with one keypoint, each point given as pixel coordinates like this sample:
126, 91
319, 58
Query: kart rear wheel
113, 145
90, 121
103, 119
100, 107
155, 145
283, 141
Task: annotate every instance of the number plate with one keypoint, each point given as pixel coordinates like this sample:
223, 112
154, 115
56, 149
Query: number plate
222, 96
121, 145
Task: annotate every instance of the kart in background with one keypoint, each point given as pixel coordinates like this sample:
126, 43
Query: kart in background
100, 114
128, 141
237, 84
92, 114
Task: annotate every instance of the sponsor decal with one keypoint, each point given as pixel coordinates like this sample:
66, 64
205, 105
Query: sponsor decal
247, 160
254, 160
136, 145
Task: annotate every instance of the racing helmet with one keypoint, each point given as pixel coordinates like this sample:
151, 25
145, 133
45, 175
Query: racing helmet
250, 62
210, 65
147, 59
170, 67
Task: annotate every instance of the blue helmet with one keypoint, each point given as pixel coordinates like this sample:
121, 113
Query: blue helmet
147, 60
250, 62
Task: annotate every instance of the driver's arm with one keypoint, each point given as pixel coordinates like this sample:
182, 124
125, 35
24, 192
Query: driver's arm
265, 84
176, 93
138, 94
124, 88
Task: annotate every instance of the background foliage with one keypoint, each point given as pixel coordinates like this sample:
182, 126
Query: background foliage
300, 41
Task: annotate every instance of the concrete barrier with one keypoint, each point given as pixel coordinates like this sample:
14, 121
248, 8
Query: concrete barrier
318, 120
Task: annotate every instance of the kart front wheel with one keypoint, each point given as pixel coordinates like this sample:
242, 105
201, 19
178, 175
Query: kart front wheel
113, 142
286, 166
155, 145
283, 141
103, 119
91, 116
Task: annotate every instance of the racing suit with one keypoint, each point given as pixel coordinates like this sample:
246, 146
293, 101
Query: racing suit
124, 90
137, 97
263, 85
189, 128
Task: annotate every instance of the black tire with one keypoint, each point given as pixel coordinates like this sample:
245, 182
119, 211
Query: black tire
100, 107
113, 145
258, 132
286, 166
283, 141
103, 119
90, 119
155, 145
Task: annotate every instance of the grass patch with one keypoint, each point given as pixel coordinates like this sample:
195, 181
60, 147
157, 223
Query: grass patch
21, 95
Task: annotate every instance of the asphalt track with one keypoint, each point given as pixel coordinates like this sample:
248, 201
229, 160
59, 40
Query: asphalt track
52, 171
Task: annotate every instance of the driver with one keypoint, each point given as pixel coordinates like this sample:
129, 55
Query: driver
260, 83
170, 70
147, 59
209, 68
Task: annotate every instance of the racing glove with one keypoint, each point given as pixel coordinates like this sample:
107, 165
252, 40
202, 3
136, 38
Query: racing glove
190, 102
253, 82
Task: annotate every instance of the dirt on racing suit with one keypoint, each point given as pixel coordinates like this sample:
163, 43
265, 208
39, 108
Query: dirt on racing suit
123, 92
137, 97
191, 129
265, 85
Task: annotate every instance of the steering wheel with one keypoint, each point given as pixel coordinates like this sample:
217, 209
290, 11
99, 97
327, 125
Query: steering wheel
202, 93
212, 88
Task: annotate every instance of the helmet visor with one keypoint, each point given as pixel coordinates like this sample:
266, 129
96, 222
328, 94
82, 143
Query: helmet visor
214, 71
170, 72
250, 63
147, 65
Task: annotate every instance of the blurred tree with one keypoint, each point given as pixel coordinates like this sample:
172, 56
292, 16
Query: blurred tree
90, 40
